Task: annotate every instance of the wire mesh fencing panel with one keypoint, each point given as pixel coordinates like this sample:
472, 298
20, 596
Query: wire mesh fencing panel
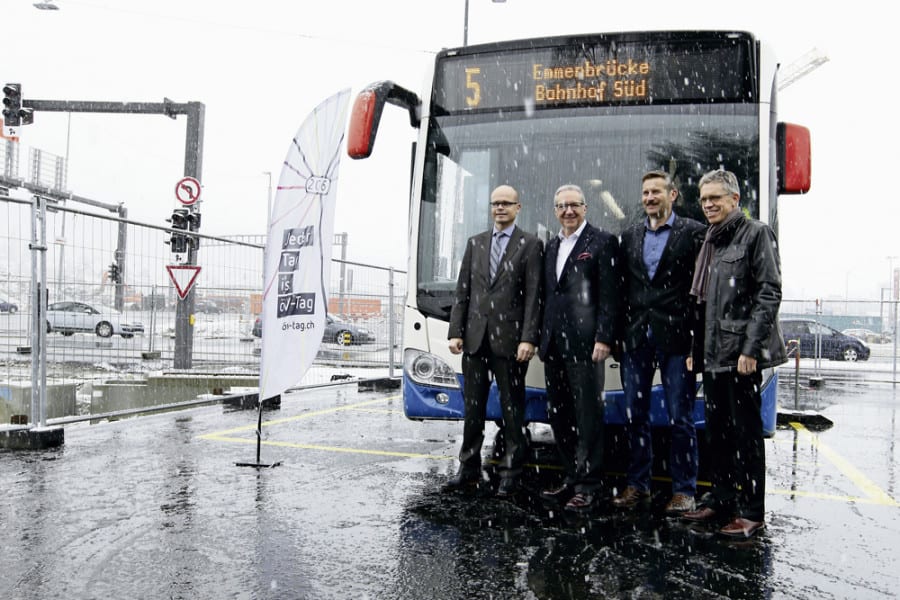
112, 308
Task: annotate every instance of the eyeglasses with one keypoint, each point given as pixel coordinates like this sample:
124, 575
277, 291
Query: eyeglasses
568, 206
714, 199
502, 204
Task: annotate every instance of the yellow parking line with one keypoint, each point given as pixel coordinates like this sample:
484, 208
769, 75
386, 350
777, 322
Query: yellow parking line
222, 438
315, 413
874, 493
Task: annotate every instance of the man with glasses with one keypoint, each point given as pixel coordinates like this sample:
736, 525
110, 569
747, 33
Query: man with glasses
495, 323
658, 256
738, 278
581, 306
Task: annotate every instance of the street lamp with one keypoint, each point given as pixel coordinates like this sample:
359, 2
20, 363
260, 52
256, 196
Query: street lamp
466, 21
892, 296
269, 206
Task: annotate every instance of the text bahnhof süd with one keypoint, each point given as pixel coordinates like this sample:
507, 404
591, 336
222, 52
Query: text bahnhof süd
634, 84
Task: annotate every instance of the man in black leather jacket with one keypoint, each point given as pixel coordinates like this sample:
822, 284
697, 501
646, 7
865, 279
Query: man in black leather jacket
738, 277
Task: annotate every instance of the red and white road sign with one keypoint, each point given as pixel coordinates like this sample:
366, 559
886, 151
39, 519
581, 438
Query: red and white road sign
187, 190
184, 277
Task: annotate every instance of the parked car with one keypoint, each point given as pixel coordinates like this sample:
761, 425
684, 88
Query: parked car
8, 306
68, 318
206, 306
336, 332
868, 336
343, 333
834, 345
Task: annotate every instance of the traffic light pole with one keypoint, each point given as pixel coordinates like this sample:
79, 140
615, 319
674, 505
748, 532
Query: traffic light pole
193, 165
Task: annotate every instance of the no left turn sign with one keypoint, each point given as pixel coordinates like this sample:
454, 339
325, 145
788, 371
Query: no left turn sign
187, 190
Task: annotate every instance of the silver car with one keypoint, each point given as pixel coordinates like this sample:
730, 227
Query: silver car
68, 318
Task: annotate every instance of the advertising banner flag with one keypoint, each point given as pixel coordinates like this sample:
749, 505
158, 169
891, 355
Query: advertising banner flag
298, 248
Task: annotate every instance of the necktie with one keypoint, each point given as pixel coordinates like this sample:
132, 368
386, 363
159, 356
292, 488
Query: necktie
496, 252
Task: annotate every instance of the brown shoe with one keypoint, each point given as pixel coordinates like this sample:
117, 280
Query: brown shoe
701, 515
680, 504
630, 497
741, 528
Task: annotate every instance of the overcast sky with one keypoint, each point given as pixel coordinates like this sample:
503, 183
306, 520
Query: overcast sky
261, 67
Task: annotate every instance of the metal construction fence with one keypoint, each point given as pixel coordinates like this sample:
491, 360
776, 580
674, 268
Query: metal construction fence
111, 324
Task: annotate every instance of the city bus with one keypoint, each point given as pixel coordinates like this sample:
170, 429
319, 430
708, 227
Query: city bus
594, 110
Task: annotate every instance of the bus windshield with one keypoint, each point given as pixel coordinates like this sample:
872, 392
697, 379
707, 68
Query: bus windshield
603, 149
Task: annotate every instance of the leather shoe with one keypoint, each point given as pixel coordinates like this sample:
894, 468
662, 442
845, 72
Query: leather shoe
680, 504
581, 502
630, 497
461, 482
703, 514
508, 487
740, 527
561, 494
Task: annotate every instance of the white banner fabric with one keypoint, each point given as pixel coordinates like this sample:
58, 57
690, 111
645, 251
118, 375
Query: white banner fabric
298, 248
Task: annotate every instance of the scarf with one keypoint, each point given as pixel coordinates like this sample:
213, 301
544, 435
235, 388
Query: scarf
701, 268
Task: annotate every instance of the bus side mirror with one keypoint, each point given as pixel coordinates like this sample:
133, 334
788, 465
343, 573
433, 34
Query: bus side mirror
794, 161
366, 115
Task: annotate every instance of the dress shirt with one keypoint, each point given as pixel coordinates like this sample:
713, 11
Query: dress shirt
655, 243
565, 248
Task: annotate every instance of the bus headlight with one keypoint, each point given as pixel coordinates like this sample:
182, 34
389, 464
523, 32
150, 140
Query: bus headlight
428, 369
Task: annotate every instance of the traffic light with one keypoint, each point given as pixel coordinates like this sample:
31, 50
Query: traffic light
194, 221
114, 273
12, 104
179, 242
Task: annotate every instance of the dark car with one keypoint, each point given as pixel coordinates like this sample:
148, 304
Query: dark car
206, 306
833, 344
336, 332
8, 306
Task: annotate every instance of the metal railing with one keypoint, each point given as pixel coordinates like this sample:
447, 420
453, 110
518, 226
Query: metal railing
90, 372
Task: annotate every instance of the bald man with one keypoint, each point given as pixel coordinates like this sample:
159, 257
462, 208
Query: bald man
495, 324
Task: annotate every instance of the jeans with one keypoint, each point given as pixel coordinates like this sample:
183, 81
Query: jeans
680, 388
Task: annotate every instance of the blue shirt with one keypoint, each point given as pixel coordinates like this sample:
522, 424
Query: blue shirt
655, 243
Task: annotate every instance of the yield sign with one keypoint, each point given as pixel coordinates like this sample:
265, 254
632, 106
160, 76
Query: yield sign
183, 276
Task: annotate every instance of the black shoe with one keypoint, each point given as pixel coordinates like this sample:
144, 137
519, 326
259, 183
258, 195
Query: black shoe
461, 482
508, 487
561, 494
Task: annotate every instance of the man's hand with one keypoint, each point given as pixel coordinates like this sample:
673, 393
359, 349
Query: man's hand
525, 351
601, 352
746, 365
456, 345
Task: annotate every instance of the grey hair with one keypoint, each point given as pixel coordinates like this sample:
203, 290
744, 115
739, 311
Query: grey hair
568, 187
726, 178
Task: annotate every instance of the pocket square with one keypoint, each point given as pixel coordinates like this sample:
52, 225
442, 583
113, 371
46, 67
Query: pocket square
584, 256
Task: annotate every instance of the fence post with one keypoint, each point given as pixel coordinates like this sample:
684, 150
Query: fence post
391, 332
38, 247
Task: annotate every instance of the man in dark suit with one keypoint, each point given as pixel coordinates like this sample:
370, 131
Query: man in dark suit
658, 256
581, 305
495, 324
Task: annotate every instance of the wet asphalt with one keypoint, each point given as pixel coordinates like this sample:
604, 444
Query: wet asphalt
156, 507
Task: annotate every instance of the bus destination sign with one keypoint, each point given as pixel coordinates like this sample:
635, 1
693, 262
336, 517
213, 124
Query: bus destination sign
597, 72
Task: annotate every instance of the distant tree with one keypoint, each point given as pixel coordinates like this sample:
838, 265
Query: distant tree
706, 150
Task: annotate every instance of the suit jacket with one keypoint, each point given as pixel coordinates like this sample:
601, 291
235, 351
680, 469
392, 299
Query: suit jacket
664, 302
507, 309
583, 306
